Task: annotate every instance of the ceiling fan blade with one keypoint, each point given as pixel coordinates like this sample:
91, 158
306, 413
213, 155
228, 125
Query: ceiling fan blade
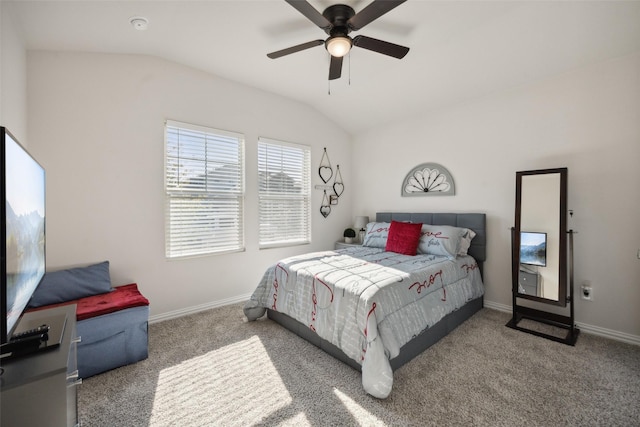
380, 46
311, 13
294, 49
372, 12
335, 68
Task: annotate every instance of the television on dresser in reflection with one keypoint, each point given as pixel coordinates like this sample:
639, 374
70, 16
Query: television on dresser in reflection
22, 220
533, 248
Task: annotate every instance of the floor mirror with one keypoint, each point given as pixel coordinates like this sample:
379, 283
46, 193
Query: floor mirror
542, 257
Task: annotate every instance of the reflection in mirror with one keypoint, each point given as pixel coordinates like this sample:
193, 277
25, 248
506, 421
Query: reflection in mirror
539, 269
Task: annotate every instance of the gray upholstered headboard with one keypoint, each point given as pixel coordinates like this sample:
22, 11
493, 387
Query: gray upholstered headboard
474, 221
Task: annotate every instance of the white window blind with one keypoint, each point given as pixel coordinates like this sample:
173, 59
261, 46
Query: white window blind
204, 182
284, 189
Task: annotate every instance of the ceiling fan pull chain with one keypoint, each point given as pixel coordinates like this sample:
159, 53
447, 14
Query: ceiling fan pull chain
349, 68
329, 81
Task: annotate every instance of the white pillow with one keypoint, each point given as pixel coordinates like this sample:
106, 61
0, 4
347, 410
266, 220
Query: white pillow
445, 240
465, 241
376, 234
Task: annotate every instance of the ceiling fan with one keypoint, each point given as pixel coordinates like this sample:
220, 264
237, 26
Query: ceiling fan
338, 21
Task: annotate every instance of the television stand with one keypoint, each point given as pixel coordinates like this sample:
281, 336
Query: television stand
35, 342
39, 388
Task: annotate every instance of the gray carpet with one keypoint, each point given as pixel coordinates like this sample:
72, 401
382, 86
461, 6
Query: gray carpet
213, 369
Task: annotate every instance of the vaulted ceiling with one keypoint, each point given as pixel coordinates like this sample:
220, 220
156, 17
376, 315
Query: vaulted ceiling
460, 50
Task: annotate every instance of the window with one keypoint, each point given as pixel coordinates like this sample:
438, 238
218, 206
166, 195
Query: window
284, 189
204, 183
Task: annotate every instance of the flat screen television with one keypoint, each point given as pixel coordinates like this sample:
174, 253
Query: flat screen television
533, 248
23, 230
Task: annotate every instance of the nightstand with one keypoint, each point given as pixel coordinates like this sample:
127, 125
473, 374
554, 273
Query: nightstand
343, 245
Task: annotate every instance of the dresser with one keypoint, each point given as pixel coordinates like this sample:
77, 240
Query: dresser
40, 389
528, 282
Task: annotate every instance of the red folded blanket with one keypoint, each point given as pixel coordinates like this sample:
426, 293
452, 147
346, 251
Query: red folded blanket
122, 297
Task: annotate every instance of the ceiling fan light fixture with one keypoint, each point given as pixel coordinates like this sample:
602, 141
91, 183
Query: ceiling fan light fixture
338, 46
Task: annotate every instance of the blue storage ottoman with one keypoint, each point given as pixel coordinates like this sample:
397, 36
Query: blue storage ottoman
113, 330
112, 327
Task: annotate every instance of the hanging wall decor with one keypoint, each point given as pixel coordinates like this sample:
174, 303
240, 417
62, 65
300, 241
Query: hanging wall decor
338, 185
325, 207
428, 179
325, 171
331, 192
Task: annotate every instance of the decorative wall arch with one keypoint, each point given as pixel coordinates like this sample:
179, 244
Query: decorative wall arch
428, 179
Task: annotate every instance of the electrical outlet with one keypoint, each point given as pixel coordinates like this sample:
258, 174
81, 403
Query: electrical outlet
587, 291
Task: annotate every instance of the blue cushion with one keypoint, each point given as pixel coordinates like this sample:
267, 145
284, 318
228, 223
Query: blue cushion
74, 283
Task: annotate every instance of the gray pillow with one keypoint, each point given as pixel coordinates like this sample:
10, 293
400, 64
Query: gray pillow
74, 283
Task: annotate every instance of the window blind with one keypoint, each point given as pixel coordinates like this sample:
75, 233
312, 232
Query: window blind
284, 192
204, 183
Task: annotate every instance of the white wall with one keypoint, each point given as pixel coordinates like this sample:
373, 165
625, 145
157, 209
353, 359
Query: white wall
587, 120
13, 78
95, 121
96, 124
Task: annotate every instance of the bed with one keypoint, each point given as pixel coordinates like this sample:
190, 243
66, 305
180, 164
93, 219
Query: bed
377, 306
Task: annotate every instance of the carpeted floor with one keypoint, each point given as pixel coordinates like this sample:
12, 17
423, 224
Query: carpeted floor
214, 369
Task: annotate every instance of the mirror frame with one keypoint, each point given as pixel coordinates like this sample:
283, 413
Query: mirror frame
562, 239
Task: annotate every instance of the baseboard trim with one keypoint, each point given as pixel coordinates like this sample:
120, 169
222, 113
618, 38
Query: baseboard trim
584, 327
496, 306
197, 308
609, 333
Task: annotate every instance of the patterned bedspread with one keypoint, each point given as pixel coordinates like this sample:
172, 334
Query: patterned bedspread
366, 301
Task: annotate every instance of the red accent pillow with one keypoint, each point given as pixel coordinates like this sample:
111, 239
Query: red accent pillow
403, 237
